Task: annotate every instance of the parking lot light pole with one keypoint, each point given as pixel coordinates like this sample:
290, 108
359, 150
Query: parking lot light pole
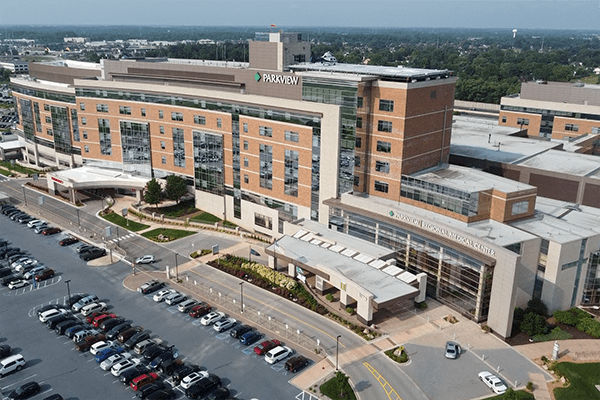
24, 195
176, 269
242, 297
68, 291
337, 350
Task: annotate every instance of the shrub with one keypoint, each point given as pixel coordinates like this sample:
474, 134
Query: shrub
350, 310
534, 324
571, 317
589, 326
536, 306
393, 354
329, 297
529, 386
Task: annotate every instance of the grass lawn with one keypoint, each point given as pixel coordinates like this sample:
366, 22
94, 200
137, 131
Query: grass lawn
514, 395
118, 220
332, 389
172, 234
18, 168
206, 218
4, 172
582, 378
555, 334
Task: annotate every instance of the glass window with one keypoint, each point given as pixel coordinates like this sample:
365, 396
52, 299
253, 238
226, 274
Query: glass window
246, 162
291, 173
82, 106
86, 148
246, 145
143, 111
163, 145
292, 136
85, 135
208, 162
102, 108
384, 126
263, 220
356, 180
161, 114
135, 145
75, 126
358, 122
520, 208
266, 166
83, 120
200, 119
384, 147
544, 246
359, 102
38, 119
504, 119
125, 110
246, 179
381, 186
381, 166
163, 159
178, 147
265, 131
46, 107
161, 129
386, 105
49, 132
356, 161
48, 119
245, 127
571, 128
596, 129
358, 142
177, 116
219, 123
522, 121
105, 137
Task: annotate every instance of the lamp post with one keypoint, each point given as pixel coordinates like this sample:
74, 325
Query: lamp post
242, 297
337, 350
78, 220
176, 269
24, 195
68, 291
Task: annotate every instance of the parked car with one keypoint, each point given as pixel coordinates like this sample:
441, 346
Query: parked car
183, 371
35, 222
46, 315
40, 228
4, 351
84, 247
52, 322
200, 310
104, 354
33, 272
75, 298
122, 366
452, 350
213, 317
142, 380
204, 386
147, 259
84, 302
493, 382
93, 307
250, 337
11, 364
151, 286
187, 305
6, 280
135, 339
71, 331
125, 335
161, 359
109, 323
25, 219
62, 327
102, 345
175, 298
225, 324
116, 330
277, 354
68, 241
127, 376
162, 394
88, 341
160, 296
221, 393
47, 273
192, 378
24, 391
265, 346
92, 254
18, 283
112, 360
295, 364
51, 231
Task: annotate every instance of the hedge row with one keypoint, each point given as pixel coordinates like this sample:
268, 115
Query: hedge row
580, 319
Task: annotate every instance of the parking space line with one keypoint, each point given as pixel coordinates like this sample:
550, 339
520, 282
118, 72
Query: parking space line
248, 350
389, 390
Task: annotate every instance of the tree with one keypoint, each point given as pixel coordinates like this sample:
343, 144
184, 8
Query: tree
537, 306
176, 188
534, 324
153, 193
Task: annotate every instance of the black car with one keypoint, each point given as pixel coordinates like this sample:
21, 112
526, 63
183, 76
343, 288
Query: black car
110, 323
24, 391
92, 254
71, 331
135, 339
221, 393
238, 331
4, 351
9, 251
62, 327
296, 363
162, 358
127, 376
52, 322
204, 386
145, 390
163, 394
153, 351
49, 307
76, 297
24, 219
114, 332
54, 396
6, 272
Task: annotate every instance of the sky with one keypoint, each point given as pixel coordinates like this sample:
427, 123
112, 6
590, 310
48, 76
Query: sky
513, 14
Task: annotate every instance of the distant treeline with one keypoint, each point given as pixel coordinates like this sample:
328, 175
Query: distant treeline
489, 62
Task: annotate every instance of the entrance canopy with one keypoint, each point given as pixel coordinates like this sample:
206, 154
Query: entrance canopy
95, 178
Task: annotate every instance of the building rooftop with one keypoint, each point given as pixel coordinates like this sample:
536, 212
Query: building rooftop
396, 73
470, 180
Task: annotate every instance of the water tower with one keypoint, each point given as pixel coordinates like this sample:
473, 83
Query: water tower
514, 33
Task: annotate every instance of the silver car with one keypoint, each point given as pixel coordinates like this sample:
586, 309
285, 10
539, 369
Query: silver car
452, 350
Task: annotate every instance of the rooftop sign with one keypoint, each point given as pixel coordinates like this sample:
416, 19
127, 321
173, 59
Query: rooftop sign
277, 78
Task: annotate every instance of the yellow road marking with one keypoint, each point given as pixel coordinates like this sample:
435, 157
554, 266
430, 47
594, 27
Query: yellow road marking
389, 390
267, 305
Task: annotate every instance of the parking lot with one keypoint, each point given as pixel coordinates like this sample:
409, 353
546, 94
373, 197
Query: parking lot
59, 368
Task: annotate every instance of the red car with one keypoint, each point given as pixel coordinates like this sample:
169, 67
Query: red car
50, 231
265, 346
100, 318
143, 380
200, 310
68, 241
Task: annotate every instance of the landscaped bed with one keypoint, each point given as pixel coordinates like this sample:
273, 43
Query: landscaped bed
166, 235
338, 388
125, 223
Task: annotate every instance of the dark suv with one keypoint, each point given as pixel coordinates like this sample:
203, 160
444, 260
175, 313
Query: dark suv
204, 386
296, 363
24, 391
92, 254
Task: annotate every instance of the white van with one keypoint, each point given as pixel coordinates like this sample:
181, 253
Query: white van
10, 364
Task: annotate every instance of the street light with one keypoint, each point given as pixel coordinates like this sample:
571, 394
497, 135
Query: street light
68, 291
176, 269
337, 350
24, 195
242, 297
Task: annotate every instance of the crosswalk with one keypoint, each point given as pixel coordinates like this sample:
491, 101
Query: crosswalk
116, 240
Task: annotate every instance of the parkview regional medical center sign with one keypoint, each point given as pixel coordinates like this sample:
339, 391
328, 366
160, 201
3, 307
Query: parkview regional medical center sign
277, 78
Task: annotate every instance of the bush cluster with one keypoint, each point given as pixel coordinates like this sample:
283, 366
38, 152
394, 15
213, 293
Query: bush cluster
403, 355
580, 319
